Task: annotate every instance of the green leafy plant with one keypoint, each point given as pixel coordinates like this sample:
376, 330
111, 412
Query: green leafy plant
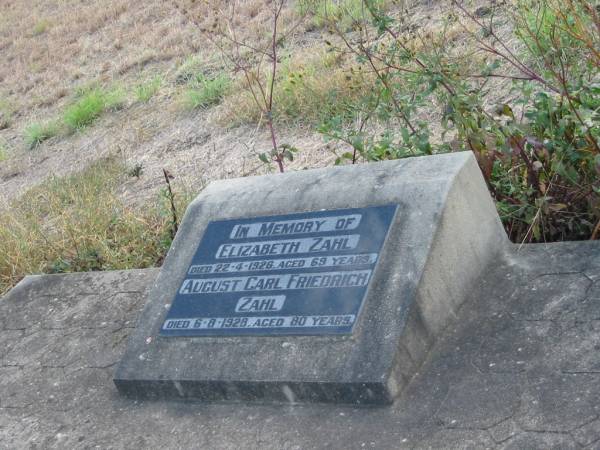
537, 148
284, 151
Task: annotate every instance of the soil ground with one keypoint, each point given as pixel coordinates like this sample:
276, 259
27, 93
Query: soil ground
52, 48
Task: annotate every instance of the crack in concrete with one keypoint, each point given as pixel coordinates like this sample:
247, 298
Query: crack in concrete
107, 366
585, 372
499, 432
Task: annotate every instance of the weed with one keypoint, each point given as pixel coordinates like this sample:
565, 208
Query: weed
6, 113
204, 92
136, 171
40, 27
168, 195
3, 151
36, 133
344, 15
145, 91
91, 104
249, 61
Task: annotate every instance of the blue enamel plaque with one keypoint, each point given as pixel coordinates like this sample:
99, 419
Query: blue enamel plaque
295, 274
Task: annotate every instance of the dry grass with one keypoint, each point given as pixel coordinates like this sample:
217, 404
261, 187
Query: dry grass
51, 49
80, 223
312, 84
47, 46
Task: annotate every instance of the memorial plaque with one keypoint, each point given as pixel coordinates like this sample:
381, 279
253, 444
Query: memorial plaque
294, 274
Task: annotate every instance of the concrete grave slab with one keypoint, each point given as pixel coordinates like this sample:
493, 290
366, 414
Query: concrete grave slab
433, 231
489, 381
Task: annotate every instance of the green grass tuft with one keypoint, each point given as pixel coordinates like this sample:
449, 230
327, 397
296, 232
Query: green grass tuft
36, 133
146, 90
40, 27
205, 92
90, 106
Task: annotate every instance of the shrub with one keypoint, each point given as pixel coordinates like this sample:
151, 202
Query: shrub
538, 150
36, 133
248, 57
79, 223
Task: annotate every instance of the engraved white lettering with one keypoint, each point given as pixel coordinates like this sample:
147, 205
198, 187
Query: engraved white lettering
286, 247
298, 226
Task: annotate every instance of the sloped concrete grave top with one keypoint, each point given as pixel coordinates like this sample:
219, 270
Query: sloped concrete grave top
327, 285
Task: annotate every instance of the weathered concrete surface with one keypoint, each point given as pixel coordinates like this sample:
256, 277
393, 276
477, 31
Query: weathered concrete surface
519, 369
445, 233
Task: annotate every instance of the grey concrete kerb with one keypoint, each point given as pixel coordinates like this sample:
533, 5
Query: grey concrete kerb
519, 369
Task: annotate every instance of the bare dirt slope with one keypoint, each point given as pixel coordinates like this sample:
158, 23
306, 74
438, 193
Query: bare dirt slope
52, 49
49, 49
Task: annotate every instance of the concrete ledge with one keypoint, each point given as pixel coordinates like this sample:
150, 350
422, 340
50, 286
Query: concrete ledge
519, 369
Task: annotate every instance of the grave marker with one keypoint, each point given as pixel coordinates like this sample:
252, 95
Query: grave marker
327, 285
